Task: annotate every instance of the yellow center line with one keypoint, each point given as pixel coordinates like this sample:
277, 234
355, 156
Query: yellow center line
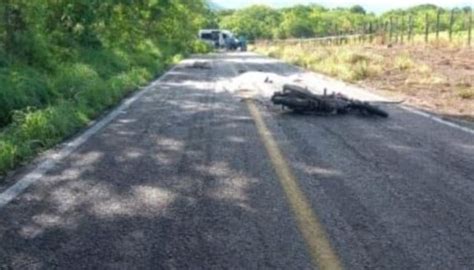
322, 253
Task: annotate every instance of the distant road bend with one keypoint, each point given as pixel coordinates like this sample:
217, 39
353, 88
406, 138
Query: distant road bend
200, 172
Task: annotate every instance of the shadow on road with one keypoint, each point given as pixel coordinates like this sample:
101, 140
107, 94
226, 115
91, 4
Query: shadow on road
182, 181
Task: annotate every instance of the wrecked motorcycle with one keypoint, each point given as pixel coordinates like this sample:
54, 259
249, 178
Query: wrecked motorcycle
301, 100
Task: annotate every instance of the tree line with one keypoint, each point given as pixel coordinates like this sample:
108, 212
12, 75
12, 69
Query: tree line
30, 28
41, 39
304, 21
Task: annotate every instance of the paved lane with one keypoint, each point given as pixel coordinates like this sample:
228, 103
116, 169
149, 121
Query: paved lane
182, 180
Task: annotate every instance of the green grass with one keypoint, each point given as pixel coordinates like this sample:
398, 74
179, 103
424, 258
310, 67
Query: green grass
349, 65
22, 87
39, 107
466, 93
404, 62
458, 39
33, 130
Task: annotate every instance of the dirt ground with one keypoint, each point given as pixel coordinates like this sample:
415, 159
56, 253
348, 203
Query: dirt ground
441, 79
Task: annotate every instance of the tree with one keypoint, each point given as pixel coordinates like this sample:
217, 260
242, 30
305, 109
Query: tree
297, 21
358, 9
257, 21
14, 25
296, 24
467, 9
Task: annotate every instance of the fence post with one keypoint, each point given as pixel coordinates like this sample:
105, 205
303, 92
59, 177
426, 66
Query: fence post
469, 29
395, 29
427, 28
398, 30
371, 32
402, 30
391, 30
365, 30
451, 23
438, 15
334, 33
410, 28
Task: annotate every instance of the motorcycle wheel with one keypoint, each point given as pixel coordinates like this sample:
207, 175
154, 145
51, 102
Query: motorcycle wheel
295, 104
370, 109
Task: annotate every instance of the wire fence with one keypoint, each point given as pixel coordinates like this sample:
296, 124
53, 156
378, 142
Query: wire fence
452, 26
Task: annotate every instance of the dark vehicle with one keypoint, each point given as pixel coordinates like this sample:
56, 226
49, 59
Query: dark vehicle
222, 39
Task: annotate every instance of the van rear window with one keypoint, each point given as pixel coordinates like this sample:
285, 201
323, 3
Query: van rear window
206, 36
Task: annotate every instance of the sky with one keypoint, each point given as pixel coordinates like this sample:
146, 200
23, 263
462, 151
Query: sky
370, 5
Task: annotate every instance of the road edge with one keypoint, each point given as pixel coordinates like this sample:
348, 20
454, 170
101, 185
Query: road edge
432, 116
49, 159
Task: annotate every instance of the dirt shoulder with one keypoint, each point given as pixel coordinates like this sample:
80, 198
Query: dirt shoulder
437, 79
440, 80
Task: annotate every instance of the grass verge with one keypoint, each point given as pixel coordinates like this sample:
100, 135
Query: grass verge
40, 108
435, 78
35, 130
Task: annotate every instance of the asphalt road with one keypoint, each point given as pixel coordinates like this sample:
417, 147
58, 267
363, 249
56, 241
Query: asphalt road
186, 178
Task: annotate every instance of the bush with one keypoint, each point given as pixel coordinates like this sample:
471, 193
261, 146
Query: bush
84, 95
147, 61
403, 62
22, 87
466, 93
63, 62
3, 60
354, 58
341, 62
33, 131
363, 70
7, 154
201, 47
73, 79
106, 62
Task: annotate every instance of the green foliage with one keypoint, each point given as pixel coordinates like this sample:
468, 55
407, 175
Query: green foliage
63, 62
349, 65
294, 25
358, 9
106, 63
301, 21
418, 15
201, 47
74, 78
34, 130
8, 152
21, 87
259, 21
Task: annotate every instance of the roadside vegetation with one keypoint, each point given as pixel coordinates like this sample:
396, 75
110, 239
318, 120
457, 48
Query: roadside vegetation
308, 21
62, 63
422, 54
436, 78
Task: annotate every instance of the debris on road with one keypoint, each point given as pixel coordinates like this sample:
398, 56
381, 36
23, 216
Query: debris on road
301, 100
200, 65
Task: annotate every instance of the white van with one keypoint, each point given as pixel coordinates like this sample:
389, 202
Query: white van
216, 37
211, 36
